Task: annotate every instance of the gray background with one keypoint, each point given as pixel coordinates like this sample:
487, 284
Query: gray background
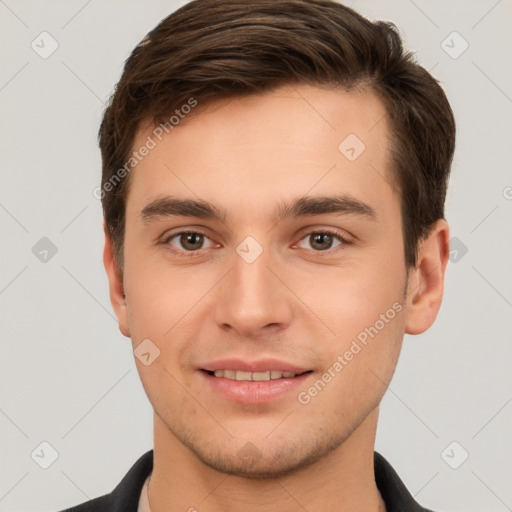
67, 375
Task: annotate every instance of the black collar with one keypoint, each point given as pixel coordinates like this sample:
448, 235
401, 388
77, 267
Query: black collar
393, 491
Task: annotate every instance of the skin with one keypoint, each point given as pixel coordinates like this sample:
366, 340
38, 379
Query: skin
295, 302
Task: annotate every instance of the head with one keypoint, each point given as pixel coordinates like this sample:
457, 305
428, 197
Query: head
244, 113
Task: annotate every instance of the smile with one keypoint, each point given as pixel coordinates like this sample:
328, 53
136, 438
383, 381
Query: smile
259, 387
241, 375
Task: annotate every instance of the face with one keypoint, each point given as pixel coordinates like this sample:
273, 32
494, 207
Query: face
264, 243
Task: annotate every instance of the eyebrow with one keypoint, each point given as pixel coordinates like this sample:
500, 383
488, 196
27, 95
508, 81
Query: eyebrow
302, 207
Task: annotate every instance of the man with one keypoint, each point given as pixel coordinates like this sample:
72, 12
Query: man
274, 176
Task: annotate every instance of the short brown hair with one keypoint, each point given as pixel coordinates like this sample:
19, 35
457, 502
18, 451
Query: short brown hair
209, 49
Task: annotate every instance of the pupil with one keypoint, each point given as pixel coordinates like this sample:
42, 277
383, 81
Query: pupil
322, 238
191, 240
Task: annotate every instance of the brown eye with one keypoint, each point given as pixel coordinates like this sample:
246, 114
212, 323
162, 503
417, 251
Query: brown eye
322, 241
191, 241
188, 241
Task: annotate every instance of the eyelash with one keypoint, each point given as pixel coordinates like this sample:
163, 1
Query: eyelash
191, 254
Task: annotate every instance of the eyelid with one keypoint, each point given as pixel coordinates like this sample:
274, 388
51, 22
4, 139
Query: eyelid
343, 237
170, 233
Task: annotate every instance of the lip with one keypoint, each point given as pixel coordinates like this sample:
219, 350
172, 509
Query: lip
262, 365
253, 392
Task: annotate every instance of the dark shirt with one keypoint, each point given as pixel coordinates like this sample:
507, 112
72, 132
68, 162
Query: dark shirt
125, 497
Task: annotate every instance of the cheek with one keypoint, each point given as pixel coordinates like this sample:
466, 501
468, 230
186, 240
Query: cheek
161, 309
158, 295
170, 308
357, 368
363, 305
347, 299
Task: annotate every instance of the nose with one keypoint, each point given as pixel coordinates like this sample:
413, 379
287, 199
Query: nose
253, 299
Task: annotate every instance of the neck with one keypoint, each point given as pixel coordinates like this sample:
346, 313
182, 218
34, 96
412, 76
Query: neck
343, 480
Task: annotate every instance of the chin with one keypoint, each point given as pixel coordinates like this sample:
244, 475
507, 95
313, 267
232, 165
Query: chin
274, 461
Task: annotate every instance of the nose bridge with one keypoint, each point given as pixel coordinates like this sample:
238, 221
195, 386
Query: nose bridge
251, 297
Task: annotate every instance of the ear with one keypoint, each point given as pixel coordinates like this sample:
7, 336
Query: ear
115, 282
426, 279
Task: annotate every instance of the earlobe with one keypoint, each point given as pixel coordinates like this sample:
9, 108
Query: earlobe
426, 280
116, 288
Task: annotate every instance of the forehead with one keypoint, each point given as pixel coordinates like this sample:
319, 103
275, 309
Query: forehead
360, 109
289, 141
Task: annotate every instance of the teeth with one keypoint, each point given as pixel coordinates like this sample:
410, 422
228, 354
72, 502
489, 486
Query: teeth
256, 376
261, 376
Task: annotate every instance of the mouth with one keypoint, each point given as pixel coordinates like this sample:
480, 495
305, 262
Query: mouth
253, 382
241, 375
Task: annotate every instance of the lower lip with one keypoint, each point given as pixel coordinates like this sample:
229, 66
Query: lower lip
254, 392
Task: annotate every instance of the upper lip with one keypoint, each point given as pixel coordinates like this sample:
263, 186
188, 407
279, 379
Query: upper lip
261, 365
